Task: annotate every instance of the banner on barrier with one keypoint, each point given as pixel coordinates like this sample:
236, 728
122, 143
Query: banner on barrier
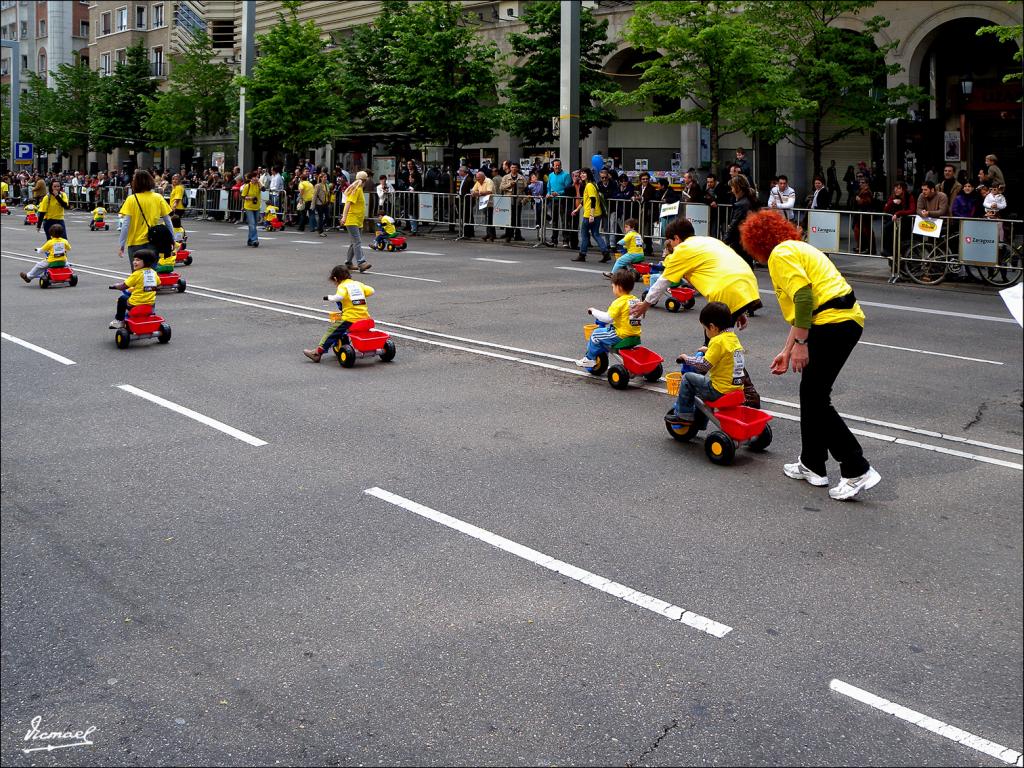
222, 204
669, 209
502, 211
823, 230
927, 227
979, 242
700, 216
426, 211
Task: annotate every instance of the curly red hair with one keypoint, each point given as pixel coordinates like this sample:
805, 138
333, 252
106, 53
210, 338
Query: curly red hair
762, 230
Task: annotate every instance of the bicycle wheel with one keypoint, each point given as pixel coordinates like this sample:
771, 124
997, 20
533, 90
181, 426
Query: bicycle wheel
925, 264
1010, 263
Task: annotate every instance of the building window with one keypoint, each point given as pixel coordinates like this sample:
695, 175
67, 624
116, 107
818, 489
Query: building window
157, 64
222, 33
3, 67
158, 15
105, 63
83, 29
122, 19
120, 56
24, 30
24, 62
140, 17
42, 63
42, 28
105, 27
83, 59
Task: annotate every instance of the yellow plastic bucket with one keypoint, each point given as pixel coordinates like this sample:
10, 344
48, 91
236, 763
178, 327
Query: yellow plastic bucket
672, 382
647, 279
589, 329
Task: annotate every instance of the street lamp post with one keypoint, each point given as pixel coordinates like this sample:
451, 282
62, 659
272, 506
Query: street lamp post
15, 49
569, 90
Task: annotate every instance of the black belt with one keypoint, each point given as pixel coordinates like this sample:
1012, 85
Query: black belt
846, 301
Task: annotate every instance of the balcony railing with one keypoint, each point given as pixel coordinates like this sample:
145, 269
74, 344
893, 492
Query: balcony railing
158, 69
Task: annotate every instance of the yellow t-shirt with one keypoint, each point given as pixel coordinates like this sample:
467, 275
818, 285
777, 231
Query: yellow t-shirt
270, 213
725, 356
179, 235
3, 190
56, 250
147, 210
625, 326
306, 190
353, 300
794, 264
142, 283
634, 243
251, 196
167, 261
356, 206
51, 210
98, 213
30, 208
591, 202
714, 269
388, 225
177, 202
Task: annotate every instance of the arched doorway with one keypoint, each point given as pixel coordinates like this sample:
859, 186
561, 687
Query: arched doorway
972, 112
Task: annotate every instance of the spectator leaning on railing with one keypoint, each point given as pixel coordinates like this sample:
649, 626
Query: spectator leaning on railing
932, 204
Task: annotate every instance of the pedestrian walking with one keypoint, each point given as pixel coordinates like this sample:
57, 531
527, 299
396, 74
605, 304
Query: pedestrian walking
352, 218
251, 193
590, 220
826, 322
142, 213
51, 208
321, 202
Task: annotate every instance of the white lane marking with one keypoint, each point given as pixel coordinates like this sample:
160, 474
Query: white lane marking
307, 242
580, 372
581, 269
998, 751
923, 310
238, 434
29, 345
927, 352
404, 277
218, 234
499, 261
422, 253
613, 588
905, 428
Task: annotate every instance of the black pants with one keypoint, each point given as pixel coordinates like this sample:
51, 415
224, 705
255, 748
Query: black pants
489, 219
559, 215
303, 218
45, 225
321, 217
467, 216
517, 217
822, 429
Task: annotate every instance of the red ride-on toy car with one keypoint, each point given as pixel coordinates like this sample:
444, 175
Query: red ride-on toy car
98, 224
4, 210
31, 218
183, 256
736, 425
170, 282
58, 275
141, 323
364, 341
677, 299
634, 360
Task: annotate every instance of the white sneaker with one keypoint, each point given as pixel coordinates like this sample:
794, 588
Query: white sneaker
849, 487
586, 362
115, 324
798, 471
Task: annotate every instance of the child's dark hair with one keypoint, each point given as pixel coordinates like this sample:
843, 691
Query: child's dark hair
717, 314
631, 223
147, 255
175, 220
681, 228
624, 279
56, 230
340, 274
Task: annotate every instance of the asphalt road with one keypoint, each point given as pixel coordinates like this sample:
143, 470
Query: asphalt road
198, 599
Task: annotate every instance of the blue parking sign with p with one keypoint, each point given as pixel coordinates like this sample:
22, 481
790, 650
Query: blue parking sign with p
23, 152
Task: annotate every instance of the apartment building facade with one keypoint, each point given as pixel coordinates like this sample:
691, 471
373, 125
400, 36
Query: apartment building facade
49, 33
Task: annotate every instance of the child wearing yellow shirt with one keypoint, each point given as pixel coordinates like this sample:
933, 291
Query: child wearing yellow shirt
98, 213
616, 324
350, 296
724, 355
56, 250
631, 245
386, 230
139, 287
180, 235
269, 216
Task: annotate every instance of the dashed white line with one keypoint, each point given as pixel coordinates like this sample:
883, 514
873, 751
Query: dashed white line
403, 277
581, 269
990, 748
238, 434
499, 261
929, 352
607, 586
924, 310
218, 234
306, 242
29, 345
423, 253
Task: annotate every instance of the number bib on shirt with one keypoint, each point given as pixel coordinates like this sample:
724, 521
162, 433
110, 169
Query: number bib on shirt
738, 364
149, 280
59, 249
356, 295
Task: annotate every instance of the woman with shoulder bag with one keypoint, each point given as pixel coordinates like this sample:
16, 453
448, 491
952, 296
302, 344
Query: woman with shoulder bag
51, 209
146, 214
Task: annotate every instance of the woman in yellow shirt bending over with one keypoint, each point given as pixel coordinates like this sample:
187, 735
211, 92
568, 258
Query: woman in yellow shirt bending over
826, 323
352, 219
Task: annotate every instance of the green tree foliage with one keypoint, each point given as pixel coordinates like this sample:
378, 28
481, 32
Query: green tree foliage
40, 113
533, 87
1009, 33
293, 93
75, 87
369, 71
198, 100
119, 109
445, 79
710, 64
836, 83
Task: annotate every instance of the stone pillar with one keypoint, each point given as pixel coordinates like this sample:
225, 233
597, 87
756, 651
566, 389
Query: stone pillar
792, 161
